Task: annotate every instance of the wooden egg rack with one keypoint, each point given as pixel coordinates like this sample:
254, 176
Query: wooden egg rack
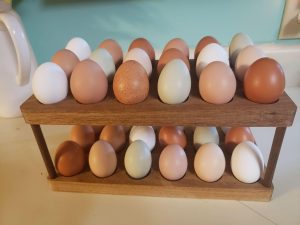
193, 112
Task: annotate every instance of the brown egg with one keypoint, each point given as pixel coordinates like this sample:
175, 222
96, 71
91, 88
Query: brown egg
264, 81
145, 45
172, 135
97, 129
115, 135
66, 59
169, 55
84, 135
236, 135
88, 82
202, 43
131, 83
217, 83
69, 158
178, 43
114, 49
102, 159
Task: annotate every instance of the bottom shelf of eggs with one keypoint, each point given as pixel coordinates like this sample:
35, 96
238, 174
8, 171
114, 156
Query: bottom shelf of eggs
183, 162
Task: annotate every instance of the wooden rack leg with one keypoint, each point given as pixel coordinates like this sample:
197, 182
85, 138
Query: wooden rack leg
39, 137
274, 154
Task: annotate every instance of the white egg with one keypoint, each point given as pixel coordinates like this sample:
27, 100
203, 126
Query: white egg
174, 82
238, 42
49, 83
138, 159
143, 133
203, 135
210, 53
247, 163
105, 61
139, 55
79, 47
245, 58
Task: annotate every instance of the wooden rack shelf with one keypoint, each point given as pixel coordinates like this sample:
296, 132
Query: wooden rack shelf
193, 112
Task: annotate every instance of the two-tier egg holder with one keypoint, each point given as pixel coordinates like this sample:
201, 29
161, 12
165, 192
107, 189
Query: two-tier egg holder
193, 112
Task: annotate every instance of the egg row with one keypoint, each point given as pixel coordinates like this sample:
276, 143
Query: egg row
70, 157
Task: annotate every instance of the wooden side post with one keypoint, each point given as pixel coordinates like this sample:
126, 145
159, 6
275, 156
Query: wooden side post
39, 137
274, 154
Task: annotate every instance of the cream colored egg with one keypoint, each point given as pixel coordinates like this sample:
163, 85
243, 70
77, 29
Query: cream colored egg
143, 133
247, 163
79, 47
139, 55
210, 53
238, 42
105, 61
209, 162
246, 57
203, 135
138, 159
174, 82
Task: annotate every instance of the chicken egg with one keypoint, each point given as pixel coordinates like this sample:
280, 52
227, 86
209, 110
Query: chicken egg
143, 133
236, 135
102, 159
49, 83
115, 135
140, 56
173, 162
114, 49
172, 135
131, 83
210, 53
209, 162
145, 45
179, 44
203, 135
174, 82
84, 135
79, 47
138, 159
217, 83
202, 43
66, 59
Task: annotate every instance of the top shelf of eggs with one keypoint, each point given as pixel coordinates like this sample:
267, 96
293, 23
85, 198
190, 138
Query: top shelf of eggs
242, 88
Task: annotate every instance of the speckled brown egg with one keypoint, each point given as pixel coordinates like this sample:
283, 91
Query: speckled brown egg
169, 55
172, 135
114, 49
131, 83
88, 82
236, 135
178, 43
145, 45
115, 135
84, 135
264, 81
66, 59
202, 43
69, 158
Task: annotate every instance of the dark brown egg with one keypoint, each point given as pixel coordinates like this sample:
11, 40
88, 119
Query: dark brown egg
115, 135
69, 158
169, 55
145, 45
202, 43
114, 49
169, 135
84, 135
236, 135
264, 81
131, 83
66, 59
180, 44
88, 82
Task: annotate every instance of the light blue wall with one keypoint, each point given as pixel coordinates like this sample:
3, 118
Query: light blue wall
51, 23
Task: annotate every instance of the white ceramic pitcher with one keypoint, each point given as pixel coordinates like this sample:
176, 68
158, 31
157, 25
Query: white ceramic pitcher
17, 64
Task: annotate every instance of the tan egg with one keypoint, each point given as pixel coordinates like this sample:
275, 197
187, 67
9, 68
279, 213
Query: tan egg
131, 83
202, 44
88, 82
84, 135
172, 135
66, 59
102, 159
178, 43
145, 45
168, 56
69, 158
114, 49
115, 135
